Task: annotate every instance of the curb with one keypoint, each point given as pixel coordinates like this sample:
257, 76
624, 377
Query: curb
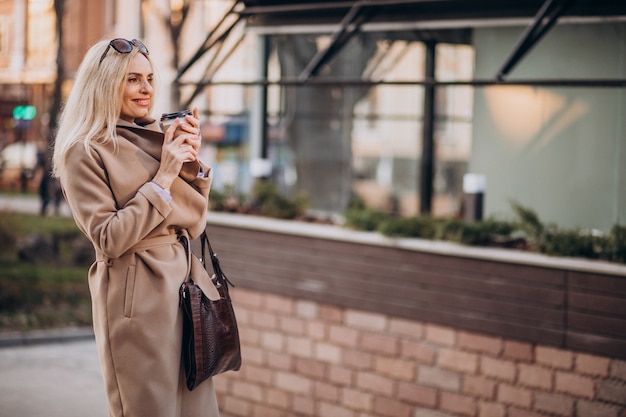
38, 337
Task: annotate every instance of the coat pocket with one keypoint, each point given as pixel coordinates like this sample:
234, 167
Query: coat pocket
130, 291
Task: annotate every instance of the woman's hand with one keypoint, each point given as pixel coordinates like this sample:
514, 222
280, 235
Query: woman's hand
183, 147
192, 126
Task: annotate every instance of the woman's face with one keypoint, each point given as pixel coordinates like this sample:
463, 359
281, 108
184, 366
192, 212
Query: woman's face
138, 89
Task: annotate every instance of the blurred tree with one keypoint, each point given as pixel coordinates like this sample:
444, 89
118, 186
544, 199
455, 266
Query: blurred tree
321, 118
174, 16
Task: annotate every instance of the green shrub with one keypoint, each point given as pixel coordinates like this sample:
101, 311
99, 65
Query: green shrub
487, 232
574, 243
617, 244
364, 218
424, 227
268, 201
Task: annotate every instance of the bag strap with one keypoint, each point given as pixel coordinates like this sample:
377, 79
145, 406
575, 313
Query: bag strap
185, 242
217, 269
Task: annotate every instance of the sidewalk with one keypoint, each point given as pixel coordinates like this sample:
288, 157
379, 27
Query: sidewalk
49, 373
51, 380
28, 204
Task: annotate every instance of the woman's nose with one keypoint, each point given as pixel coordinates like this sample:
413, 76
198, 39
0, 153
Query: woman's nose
146, 86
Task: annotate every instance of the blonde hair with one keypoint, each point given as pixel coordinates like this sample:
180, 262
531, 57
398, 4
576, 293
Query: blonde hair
93, 107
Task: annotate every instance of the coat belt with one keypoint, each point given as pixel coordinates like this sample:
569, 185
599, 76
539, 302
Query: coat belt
145, 244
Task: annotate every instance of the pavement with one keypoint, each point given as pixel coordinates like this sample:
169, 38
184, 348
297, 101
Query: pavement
28, 203
53, 373
56, 379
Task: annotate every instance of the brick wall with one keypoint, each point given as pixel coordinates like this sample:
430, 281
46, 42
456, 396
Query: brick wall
304, 358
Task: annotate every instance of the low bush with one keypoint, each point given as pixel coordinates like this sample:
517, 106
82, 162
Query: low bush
41, 291
527, 232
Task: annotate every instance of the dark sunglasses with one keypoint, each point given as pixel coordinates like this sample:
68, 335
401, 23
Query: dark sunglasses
124, 46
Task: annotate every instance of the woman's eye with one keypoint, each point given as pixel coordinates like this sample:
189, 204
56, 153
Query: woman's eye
132, 80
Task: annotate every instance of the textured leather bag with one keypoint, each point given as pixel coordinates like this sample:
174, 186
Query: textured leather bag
210, 333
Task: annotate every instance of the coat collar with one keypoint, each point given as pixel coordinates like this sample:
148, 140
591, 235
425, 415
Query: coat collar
142, 123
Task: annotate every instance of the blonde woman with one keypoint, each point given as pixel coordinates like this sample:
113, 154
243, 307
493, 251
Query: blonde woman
134, 191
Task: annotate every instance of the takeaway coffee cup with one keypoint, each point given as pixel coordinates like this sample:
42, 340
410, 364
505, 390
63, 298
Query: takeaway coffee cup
168, 118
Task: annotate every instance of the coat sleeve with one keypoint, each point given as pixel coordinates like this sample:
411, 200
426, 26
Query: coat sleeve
112, 229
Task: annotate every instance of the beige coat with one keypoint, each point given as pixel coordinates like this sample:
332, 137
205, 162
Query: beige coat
139, 268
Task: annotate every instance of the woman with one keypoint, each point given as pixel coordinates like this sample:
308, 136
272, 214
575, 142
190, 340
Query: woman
134, 196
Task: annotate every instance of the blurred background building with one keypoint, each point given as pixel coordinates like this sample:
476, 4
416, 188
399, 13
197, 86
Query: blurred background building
393, 102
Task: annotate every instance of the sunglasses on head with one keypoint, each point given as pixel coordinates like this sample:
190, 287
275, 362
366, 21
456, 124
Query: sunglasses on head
124, 46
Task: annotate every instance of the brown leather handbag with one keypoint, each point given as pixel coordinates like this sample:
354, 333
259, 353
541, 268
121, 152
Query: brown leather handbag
210, 335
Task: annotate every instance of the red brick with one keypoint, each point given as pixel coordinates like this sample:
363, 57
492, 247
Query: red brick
273, 341
244, 316
480, 343
458, 404
277, 361
574, 384
374, 383
311, 368
247, 298
535, 377
417, 394
596, 409
618, 369
278, 304
307, 310
292, 326
491, 410
299, 346
366, 321
326, 391
316, 330
253, 354
443, 336
554, 404
278, 398
379, 343
509, 394
479, 386
498, 368
264, 320
249, 336
518, 351
516, 412
358, 359
265, 411
327, 352
248, 391
328, 409
303, 405
398, 369
410, 329
418, 351
260, 374
293, 383
357, 400
235, 406
343, 336
439, 378
611, 391
556, 358
592, 365
456, 360
331, 314
340, 376
384, 406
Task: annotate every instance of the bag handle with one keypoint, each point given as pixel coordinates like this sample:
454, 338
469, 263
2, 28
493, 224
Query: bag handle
222, 279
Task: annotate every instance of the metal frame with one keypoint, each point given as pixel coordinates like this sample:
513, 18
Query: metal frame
360, 12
